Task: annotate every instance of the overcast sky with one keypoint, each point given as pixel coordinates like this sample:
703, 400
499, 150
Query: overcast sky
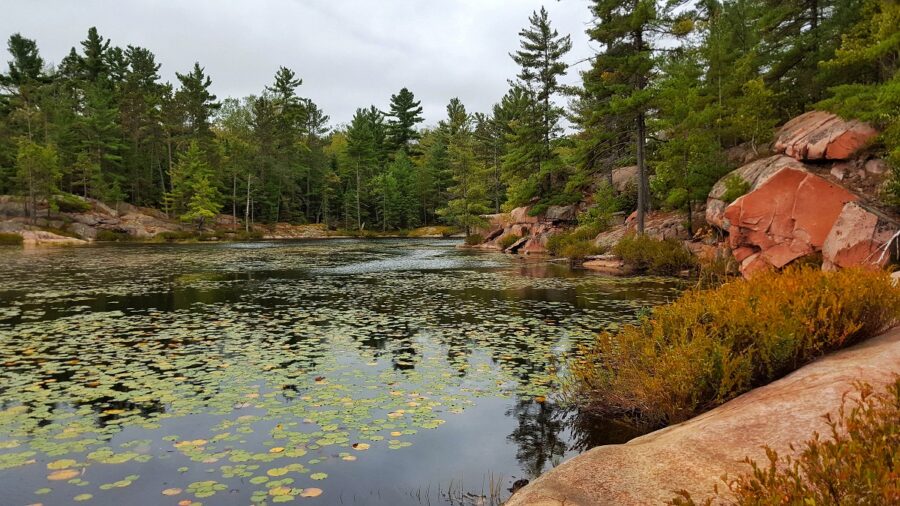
349, 53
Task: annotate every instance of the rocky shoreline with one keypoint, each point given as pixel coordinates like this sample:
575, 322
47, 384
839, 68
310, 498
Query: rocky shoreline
812, 194
694, 455
125, 222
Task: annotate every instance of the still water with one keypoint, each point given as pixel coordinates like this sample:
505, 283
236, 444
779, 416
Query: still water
390, 372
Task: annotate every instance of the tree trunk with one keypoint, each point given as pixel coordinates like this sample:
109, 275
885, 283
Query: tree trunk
642, 173
358, 217
690, 220
247, 209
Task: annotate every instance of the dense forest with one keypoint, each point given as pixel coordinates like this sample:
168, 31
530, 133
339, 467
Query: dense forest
672, 87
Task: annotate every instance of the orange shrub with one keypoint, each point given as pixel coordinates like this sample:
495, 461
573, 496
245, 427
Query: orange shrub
710, 346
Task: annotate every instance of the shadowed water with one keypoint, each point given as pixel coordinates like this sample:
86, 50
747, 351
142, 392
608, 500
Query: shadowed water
375, 372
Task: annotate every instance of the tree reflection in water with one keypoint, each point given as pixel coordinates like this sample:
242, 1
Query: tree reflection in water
547, 431
538, 435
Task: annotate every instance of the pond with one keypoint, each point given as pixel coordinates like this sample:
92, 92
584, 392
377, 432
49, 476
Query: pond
387, 372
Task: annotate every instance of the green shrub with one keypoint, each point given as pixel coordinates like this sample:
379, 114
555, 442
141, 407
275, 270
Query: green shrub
252, 235
175, 236
10, 239
474, 239
575, 244
713, 345
68, 203
646, 254
507, 240
112, 236
857, 463
735, 188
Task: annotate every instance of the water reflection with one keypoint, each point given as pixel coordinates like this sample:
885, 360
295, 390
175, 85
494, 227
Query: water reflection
538, 435
212, 355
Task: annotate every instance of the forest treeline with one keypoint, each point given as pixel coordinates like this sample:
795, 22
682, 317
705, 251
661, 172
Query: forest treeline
672, 86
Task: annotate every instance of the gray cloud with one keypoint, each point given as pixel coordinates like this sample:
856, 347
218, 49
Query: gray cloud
350, 53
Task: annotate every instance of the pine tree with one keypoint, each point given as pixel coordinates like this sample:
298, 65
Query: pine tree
468, 199
196, 103
796, 36
541, 60
490, 146
620, 76
522, 162
691, 160
101, 144
362, 149
405, 113
194, 194
141, 96
94, 64
38, 172
204, 202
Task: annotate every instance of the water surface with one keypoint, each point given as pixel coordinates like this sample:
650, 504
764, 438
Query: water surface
387, 372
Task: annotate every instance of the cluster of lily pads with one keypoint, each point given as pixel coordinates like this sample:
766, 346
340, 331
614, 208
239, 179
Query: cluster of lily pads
278, 364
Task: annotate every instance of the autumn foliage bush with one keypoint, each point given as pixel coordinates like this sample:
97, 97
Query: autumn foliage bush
857, 463
710, 346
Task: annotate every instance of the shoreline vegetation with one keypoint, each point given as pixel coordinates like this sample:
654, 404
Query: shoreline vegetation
713, 344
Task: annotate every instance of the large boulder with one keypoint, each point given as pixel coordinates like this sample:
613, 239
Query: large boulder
754, 174
787, 217
859, 237
819, 135
659, 225
34, 236
564, 214
623, 177
520, 215
12, 207
694, 455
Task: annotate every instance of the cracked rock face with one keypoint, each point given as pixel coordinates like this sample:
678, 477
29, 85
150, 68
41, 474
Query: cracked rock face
819, 135
859, 237
787, 217
755, 174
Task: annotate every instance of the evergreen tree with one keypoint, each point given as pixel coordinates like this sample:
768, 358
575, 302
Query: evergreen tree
196, 103
26, 65
194, 192
541, 60
38, 173
620, 78
523, 166
204, 202
141, 96
467, 195
314, 160
433, 175
101, 142
690, 161
363, 151
405, 113
490, 146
